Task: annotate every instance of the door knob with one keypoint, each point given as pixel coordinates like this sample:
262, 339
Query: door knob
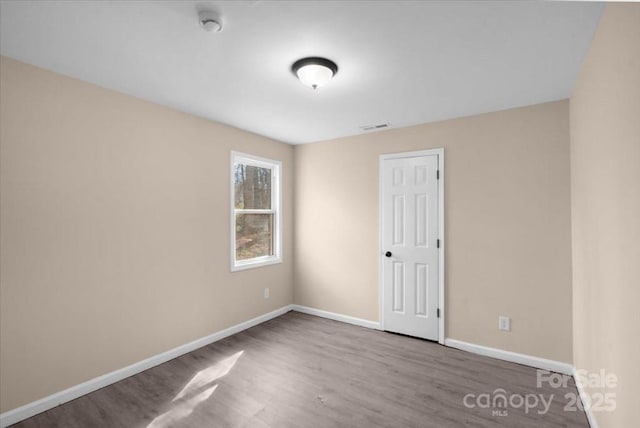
388, 254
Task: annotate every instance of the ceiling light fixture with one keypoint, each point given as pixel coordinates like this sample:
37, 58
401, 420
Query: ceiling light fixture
314, 72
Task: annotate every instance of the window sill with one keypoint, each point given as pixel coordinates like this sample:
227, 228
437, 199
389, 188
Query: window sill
255, 263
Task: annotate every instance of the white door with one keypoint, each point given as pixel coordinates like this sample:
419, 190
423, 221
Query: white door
410, 245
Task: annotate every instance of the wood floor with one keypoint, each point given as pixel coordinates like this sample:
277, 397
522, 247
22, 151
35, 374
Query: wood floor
303, 371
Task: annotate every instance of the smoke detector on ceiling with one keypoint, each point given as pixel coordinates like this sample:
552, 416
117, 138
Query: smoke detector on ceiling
210, 21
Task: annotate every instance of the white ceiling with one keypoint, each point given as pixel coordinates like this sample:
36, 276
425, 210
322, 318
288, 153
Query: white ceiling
399, 62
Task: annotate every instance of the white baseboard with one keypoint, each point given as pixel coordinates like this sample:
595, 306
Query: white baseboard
23, 412
336, 317
514, 357
587, 409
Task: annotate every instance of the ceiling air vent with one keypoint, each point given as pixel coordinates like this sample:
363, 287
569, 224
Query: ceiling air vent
377, 126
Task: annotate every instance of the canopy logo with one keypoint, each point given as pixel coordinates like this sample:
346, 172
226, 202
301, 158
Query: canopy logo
591, 383
499, 401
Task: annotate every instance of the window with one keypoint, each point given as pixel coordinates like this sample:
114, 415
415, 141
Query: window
255, 212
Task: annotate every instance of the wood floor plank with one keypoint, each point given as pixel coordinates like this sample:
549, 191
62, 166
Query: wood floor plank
298, 370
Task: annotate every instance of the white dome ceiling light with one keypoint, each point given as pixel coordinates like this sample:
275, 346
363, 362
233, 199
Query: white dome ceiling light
314, 71
210, 21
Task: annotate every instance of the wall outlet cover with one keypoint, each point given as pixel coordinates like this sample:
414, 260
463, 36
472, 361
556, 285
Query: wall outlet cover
504, 323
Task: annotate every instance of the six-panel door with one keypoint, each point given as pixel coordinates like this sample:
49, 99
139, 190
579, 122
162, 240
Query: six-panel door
410, 234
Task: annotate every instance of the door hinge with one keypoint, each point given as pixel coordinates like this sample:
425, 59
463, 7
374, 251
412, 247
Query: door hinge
438, 312
438, 174
437, 243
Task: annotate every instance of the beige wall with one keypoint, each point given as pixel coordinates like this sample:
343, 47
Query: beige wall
605, 175
115, 231
507, 225
115, 246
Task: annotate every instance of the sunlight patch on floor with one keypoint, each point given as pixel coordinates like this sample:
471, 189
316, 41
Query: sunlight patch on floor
208, 375
181, 410
193, 394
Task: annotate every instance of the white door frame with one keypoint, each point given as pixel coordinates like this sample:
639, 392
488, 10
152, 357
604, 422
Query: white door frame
441, 300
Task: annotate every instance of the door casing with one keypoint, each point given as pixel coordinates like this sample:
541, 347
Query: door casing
441, 289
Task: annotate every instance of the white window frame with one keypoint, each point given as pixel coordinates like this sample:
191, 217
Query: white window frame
276, 209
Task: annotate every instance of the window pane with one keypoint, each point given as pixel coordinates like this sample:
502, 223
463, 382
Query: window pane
252, 187
254, 236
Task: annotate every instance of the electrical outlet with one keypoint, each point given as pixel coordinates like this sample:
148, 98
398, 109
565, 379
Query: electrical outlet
504, 323
266, 293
